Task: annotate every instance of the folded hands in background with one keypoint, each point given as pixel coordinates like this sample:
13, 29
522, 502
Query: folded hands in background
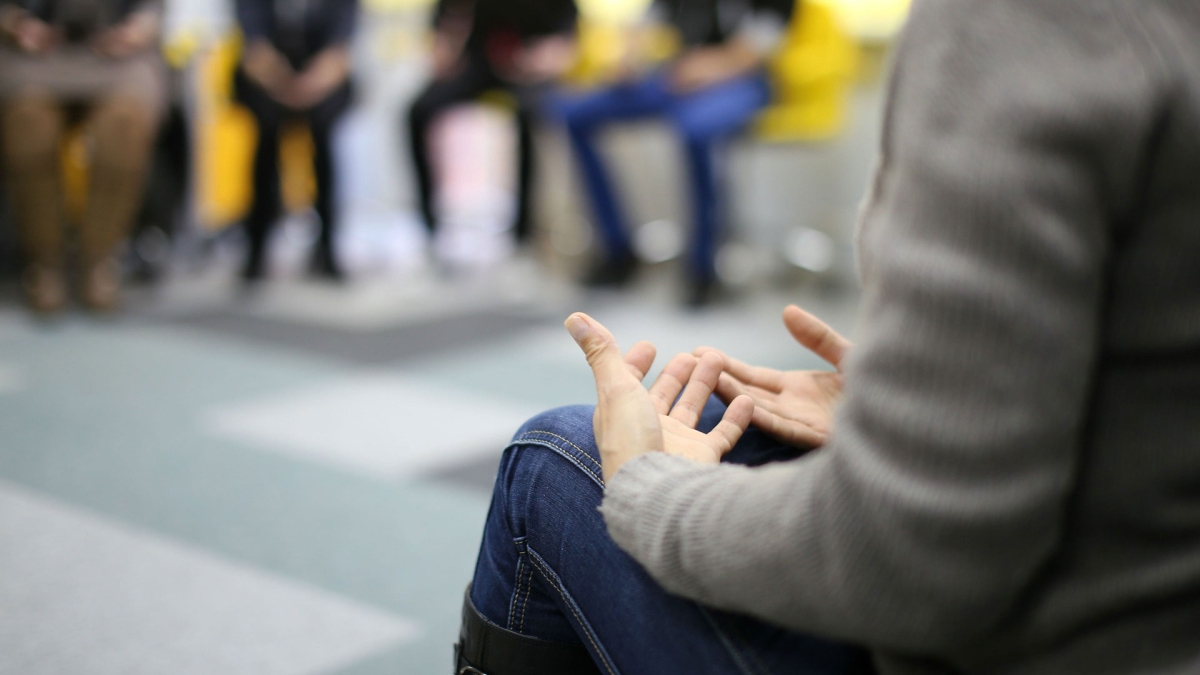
298, 90
134, 34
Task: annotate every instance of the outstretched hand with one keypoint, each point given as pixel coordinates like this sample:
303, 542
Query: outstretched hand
631, 420
794, 406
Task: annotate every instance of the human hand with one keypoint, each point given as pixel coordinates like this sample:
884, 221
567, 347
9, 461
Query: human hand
630, 420
135, 34
445, 53
794, 406
324, 73
544, 60
30, 34
704, 67
267, 68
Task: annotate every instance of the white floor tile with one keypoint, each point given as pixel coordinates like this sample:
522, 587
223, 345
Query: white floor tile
382, 425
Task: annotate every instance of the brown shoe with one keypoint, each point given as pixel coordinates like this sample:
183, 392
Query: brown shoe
101, 285
45, 288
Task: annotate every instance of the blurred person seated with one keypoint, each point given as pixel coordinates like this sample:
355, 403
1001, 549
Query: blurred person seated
1000, 477
62, 61
708, 93
295, 67
480, 46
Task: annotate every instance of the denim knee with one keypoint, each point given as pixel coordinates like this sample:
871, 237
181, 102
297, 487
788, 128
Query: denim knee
547, 492
567, 433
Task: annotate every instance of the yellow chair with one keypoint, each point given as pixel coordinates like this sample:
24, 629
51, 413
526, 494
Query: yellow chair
812, 73
227, 136
73, 160
600, 47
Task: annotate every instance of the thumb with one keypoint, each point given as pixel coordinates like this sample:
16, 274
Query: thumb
599, 347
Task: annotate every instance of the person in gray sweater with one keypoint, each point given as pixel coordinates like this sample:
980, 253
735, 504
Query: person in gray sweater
1009, 481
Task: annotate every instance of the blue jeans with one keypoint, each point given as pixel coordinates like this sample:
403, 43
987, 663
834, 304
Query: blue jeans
547, 568
703, 119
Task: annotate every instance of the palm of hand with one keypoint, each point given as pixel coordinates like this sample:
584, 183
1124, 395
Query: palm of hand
631, 420
794, 406
806, 399
681, 440
640, 426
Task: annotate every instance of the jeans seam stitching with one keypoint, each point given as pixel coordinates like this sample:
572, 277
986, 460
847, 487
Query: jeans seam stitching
528, 592
553, 580
512, 604
562, 453
568, 442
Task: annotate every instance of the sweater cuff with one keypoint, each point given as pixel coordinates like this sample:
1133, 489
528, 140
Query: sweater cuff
632, 498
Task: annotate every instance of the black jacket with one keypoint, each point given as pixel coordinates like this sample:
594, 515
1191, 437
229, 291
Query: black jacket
500, 27
81, 18
299, 29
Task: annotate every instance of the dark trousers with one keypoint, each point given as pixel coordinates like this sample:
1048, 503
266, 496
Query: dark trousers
267, 207
704, 120
466, 86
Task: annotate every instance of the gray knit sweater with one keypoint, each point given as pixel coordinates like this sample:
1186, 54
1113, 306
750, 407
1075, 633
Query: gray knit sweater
1013, 481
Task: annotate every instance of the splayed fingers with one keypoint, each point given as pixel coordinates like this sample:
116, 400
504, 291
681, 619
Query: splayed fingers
794, 406
639, 358
816, 335
701, 385
671, 381
625, 422
631, 420
683, 440
764, 378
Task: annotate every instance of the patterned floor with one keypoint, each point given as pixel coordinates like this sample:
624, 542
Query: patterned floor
291, 482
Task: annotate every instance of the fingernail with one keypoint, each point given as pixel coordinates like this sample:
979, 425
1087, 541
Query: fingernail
577, 326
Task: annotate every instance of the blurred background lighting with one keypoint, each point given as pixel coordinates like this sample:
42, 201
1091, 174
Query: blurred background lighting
738, 264
810, 249
658, 241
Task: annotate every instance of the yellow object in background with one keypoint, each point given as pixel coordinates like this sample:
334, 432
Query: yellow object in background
811, 74
226, 138
872, 20
73, 159
298, 186
601, 45
613, 12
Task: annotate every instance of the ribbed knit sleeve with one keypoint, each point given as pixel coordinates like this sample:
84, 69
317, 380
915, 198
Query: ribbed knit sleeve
1013, 135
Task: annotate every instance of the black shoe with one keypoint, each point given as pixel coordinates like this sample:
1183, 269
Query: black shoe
702, 292
325, 266
611, 272
487, 649
253, 271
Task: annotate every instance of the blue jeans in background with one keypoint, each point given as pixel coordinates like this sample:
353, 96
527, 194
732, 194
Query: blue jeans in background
548, 569
703, 119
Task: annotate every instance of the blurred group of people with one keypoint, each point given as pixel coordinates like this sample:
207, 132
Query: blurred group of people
63, 61
98, 62
707, 93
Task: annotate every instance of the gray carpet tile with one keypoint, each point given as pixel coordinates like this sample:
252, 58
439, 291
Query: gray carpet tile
406, 342
477, 473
